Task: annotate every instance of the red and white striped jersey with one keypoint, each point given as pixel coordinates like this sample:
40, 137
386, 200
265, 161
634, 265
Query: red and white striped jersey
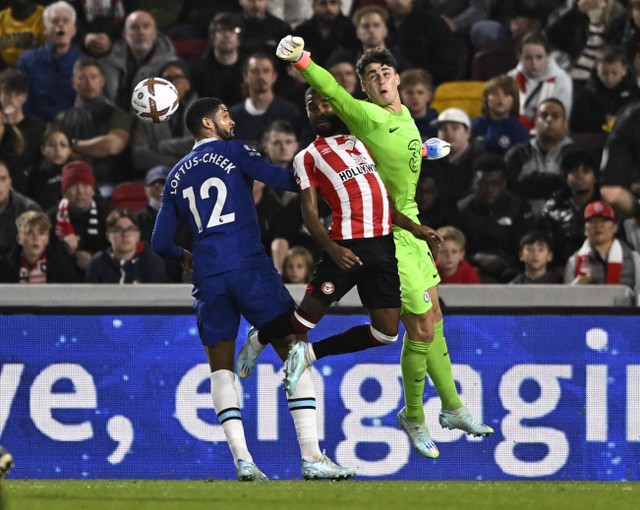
346, 177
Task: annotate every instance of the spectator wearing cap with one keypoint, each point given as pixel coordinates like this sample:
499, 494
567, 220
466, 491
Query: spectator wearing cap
146, 219
36, 256
99, 129
79, 219
127, 259
533, 167
454, 174
218, 71
603, 259
562, 216
12, 205
165, 143
153, 186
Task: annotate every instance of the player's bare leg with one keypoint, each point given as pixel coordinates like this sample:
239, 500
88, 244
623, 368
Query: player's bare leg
383, 330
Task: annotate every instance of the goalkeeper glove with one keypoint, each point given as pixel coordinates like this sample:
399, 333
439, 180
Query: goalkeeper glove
290, 48
434, 148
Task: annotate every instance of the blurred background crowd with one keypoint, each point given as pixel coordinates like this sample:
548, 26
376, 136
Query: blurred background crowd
539, 100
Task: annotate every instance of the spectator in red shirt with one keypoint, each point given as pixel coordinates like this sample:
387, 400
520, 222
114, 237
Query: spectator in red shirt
450, 259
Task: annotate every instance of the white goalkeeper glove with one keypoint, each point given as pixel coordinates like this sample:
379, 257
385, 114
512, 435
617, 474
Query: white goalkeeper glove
290, 48
434, 148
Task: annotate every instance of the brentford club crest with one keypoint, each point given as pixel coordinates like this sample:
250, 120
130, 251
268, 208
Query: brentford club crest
327, 288
427, 297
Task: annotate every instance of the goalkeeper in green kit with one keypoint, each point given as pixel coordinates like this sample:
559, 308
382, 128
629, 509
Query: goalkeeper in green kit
386, 128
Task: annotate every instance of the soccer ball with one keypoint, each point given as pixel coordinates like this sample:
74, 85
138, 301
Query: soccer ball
154, 100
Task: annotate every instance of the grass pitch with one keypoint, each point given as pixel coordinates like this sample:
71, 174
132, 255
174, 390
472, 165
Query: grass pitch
282, 495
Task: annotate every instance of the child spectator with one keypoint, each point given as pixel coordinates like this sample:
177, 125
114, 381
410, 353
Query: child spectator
499, 126
298, 265
416, 91
36, 258
43, 180
450, 261
127, 259
610, 87
536, 255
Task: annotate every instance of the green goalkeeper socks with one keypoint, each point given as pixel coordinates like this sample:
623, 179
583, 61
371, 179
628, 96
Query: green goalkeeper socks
413, 363
439, 369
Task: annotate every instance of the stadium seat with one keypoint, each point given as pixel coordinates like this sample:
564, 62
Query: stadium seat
187, 48
466, 95
130, 196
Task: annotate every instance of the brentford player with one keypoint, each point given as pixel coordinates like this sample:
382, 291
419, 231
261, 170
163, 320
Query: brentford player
358, 249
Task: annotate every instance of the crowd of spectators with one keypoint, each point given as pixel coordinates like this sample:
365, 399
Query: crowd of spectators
541, 187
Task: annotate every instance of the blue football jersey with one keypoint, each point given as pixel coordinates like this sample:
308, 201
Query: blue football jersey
212, 189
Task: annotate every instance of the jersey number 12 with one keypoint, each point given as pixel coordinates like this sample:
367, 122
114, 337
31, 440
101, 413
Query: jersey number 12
215, 218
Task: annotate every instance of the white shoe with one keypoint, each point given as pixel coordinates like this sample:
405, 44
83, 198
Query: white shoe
248, 355
248, 472
461, 419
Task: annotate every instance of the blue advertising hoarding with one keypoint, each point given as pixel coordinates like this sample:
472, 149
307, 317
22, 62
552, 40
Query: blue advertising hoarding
127, 396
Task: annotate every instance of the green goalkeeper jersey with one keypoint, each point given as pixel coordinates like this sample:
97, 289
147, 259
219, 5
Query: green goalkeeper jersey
391, 137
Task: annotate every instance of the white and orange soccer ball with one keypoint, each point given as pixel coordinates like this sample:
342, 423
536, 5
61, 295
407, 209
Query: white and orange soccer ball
154, 100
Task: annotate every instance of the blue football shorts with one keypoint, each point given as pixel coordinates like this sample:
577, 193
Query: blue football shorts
256, 292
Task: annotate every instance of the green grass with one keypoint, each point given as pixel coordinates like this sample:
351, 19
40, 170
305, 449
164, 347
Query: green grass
352, 495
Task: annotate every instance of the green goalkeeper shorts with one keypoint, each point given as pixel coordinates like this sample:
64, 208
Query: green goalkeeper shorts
417, 271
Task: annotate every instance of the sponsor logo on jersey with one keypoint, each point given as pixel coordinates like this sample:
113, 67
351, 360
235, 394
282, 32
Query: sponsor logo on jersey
427, 297
327, 288
350, 173
348, 145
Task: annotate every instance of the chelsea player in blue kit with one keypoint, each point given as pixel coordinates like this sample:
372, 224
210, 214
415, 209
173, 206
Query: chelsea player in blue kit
212, 189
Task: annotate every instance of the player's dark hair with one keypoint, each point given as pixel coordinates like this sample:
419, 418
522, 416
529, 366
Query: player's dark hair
200, 108
375, 56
